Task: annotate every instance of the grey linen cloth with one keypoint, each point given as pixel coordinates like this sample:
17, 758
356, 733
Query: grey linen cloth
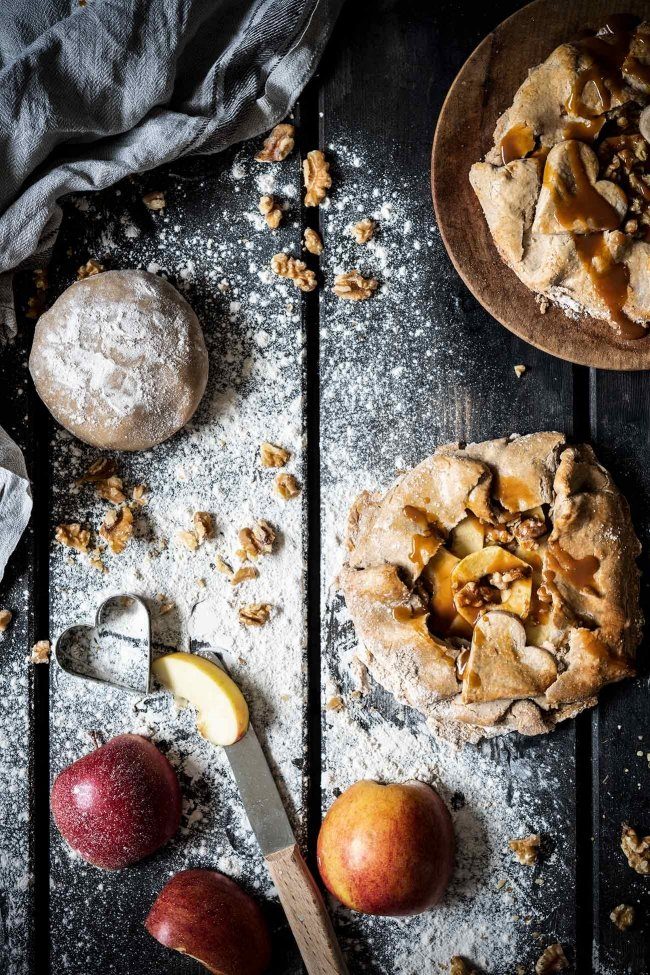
91, 93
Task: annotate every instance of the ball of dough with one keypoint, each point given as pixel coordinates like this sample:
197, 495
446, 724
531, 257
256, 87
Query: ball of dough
120, 360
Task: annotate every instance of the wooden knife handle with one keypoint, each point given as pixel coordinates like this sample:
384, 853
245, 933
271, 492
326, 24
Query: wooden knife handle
306, 913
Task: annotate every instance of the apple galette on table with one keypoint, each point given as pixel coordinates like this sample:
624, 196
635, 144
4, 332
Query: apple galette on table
565, 189
494, 586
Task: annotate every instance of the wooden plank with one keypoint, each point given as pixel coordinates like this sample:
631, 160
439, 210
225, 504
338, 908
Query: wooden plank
621, 729
16, 692
209, 242
417, 365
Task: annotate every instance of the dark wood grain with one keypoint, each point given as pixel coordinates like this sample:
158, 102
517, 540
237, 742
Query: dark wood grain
482, 91
621, 726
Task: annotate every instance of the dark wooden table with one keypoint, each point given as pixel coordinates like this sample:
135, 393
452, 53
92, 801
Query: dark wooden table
381, 384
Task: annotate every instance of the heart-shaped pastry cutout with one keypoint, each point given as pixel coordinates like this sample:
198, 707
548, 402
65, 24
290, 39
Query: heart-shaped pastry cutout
572, 198
500, 665
115, 651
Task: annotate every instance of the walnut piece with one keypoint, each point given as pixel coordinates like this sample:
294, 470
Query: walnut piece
352, 286
278, 144
313, 243
117, 529
477, 595
273, 456
138, 494
335, 703
111, 489
271, 212
5, 619
294, 270
363, 230
254, 614
286, 486
551, 960
243, 573
88, 269
458, 966
203, 526
526, 849
222, 566
188, 540
316, 172
520, 370
529, 529
636, 850
257, 540
100, 470
622, 916
40, 652
96, 561
154, 200
73, 536
503, 580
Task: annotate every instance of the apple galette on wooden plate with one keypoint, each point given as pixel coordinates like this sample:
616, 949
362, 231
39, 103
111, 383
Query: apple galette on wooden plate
565, 189
494, 587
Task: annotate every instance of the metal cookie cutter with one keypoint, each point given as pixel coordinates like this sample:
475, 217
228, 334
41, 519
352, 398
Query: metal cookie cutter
105, 654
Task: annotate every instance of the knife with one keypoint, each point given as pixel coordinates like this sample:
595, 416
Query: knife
299, 894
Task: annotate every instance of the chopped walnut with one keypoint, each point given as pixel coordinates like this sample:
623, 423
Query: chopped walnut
88, 269
5, 619
203, 526
257, 540
222, 566
335, 703
243, 573
111, 489
278, 144
73, 536
96, 561
254, 614
165, 605
458, 966
544, 595
295, 270
551, 960
40, 279
100, 470
520, 370
188, 540
363, 230
313, 243
529, 529
622, 916
271, 212
497, 535
138, 494
352, 286
40, 652
316, 172
117, 528
636, 850
154, 200
286, 486
476, 595
526, 849
273, 456
503, 580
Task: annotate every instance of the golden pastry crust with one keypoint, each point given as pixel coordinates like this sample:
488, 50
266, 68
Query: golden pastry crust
565, 189
494, 587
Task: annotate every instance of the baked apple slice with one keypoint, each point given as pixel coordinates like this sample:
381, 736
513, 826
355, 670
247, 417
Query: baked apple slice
467, 537
492, 577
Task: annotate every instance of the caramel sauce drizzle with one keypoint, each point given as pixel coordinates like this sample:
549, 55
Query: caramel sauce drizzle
579, 573
608, 50
425, 544
517, 142
513, 492
610, 280
581, 201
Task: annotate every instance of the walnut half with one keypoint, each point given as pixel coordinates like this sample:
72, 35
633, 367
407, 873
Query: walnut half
551, 960
622, 916
278, 144
294, 270
316, 172
254, 614
73, 536
352, 286
117, 529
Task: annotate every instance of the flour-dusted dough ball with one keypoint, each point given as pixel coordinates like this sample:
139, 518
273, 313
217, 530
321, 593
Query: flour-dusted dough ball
120, 360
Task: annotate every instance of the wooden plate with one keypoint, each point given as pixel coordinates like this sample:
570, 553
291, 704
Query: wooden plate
482, 91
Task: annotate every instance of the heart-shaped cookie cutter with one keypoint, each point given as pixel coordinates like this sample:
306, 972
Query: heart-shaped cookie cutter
123, 600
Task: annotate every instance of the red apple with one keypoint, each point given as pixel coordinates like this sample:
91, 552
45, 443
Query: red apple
119, 803
206, 915
387, 849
